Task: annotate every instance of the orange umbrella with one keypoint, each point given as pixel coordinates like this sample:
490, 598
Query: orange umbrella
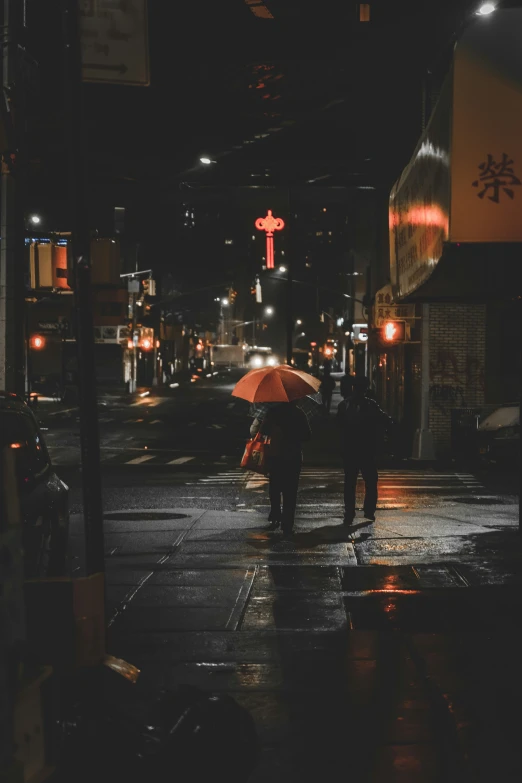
275, 384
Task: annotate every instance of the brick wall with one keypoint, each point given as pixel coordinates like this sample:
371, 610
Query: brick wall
457, 337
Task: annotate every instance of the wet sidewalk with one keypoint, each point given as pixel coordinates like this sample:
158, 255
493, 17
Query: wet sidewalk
353, 662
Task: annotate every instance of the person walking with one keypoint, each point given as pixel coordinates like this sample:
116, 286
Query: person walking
287, 427
326, 388
362, 424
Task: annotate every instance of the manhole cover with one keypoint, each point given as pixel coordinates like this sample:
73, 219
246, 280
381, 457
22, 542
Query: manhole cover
142, 516
481, 501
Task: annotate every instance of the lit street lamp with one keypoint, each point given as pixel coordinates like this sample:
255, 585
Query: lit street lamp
207, 161
486, 9
225, 302
269, 310
35, 220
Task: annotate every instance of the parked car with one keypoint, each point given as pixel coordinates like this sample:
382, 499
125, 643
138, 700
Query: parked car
44, 497
498, 435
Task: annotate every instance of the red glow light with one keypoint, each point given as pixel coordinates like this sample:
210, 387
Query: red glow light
146, 344
269, 224
37, 342
390, 331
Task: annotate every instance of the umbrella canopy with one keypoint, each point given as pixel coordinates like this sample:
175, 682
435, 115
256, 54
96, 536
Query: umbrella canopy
312, 406
275, 384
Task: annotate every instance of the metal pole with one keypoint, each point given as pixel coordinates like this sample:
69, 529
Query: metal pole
423, 446
133, 363
80, 245
291, 243
12, 255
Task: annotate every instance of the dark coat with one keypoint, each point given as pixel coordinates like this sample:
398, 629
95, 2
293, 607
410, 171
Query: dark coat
287, 427
362, 425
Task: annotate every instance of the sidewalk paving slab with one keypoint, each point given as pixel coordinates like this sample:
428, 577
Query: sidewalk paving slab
354, 656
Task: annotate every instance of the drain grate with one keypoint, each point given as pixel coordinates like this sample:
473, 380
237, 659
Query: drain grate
480, 501
142, 516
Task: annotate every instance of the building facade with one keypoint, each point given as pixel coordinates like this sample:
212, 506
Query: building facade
455, 228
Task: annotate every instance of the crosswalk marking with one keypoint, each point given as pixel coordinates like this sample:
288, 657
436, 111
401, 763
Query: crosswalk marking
139, 460
180, 460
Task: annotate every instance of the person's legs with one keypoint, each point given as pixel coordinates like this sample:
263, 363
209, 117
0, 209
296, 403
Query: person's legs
291, 475
351, 470
274, 489
370, 476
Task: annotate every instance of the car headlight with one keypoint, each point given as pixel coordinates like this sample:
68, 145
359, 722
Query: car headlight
256, 361
272, 361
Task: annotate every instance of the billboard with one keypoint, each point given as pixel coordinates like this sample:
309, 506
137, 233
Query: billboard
486, 143
419, 204
464, 181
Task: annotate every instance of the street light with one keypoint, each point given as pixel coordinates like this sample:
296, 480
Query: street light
282, 268
35, 220
225, 302
486, 9
299, 322
269, 310
206, 161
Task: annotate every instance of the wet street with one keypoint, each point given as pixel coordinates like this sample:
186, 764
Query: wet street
385, 653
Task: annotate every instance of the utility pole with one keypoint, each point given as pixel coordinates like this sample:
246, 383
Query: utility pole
81, 268
12, 251
290, 227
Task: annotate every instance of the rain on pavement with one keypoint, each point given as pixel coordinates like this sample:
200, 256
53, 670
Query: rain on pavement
198, 591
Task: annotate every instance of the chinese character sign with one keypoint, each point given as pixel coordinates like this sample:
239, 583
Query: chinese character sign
486, 143
496, 177
269, 224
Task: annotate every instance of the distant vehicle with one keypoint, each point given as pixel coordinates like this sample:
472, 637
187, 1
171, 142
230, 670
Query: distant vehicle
261, 356
44, 497
498, 435
227, 355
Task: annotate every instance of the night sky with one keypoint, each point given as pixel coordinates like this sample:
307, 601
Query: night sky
307, 95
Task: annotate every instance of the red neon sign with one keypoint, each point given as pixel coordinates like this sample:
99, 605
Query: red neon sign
269, 224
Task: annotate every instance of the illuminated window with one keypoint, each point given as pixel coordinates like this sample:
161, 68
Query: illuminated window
229, 241
364, 12
329, 233
318, 233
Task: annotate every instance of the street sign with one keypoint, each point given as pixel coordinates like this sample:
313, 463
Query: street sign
48, 326
133, 286
392, 312
114, 41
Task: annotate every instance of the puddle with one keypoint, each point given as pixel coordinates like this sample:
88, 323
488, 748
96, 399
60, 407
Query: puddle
142, 516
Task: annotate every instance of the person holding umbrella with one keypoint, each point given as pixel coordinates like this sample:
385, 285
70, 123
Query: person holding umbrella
287, 427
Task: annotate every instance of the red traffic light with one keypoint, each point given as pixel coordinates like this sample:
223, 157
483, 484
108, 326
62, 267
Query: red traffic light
37, 342
146, 344
394, 332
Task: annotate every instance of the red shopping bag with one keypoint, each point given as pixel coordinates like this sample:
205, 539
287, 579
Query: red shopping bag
256, 452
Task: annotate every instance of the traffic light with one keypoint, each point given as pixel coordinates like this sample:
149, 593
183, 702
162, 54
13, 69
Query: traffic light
146, 286
394, 332
232, 295
37, 342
